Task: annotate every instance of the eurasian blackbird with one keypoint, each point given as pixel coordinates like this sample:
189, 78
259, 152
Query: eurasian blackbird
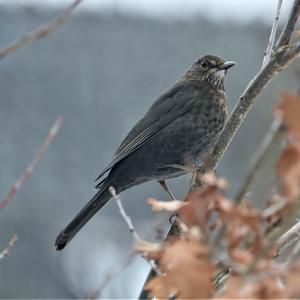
180, 127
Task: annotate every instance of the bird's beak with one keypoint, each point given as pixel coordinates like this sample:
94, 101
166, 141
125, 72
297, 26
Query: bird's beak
227, 65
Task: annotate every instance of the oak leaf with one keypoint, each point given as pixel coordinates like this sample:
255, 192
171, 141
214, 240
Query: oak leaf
187, 271
288, 169
289, 109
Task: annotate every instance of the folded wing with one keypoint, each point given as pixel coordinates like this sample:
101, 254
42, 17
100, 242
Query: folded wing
174, 103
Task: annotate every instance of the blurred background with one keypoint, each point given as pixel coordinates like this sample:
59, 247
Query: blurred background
101, 71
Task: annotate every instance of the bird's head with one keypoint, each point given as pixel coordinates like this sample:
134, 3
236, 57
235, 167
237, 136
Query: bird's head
209, 68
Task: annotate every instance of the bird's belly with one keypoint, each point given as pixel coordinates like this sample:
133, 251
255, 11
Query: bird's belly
183, 144
188, 138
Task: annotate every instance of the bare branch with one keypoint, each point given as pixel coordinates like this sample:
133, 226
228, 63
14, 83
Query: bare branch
31, 167
288, 237
294, 253
132, 230
281, 59
283, 56
288, 30
40, 32
6, 251
122, 212
293, 52
270, 47
271, 138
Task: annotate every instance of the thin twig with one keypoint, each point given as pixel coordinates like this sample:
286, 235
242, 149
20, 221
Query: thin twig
294, 253
288, 237
40, 32
259, 159
270, 47
122, 212
6, 251
287, 33
132, 230
31, 167
281, 58
279, 62
221, 278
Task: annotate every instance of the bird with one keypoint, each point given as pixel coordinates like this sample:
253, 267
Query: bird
179, 129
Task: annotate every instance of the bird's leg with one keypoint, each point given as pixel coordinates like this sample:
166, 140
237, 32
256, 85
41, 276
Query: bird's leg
195, 179
166, 189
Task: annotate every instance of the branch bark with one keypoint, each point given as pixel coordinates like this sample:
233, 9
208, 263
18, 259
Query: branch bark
280, 58
129, 224
124, 215
40, 32
287, 32
6, 251
31, 167
288, 237
283, 55
273, 135
269, 50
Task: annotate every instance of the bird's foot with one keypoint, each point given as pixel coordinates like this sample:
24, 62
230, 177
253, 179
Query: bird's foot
172, 218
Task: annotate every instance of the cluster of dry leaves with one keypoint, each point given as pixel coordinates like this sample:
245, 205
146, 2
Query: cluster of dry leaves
225, 249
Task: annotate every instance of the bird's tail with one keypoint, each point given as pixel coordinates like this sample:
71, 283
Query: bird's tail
85, 214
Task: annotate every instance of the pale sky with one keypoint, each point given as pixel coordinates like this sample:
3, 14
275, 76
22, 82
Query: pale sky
235, 10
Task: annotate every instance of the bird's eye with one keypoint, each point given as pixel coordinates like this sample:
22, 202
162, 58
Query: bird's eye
204, 64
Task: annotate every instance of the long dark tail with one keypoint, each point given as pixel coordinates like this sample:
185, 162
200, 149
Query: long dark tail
86, 213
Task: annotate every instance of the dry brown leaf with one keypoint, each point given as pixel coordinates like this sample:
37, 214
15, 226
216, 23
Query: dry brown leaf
276, 209
229, 210
243, 257
212, 180
245, 215
170, 206
197, 210
150, 250
270, 282
243, 223
289, 109
188, 271
193, 213
288, 169
297, 33
241, 220
291, 281
238, 287
274, 206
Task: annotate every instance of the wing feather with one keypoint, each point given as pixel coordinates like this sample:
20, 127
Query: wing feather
168, 107
135, 143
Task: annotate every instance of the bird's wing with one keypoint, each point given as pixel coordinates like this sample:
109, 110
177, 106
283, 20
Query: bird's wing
168, 107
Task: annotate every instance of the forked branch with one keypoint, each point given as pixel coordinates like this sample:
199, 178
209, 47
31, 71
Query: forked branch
40, 32
34, 163
271, 42
278, 59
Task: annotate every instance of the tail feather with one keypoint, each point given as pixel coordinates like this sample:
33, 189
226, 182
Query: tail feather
85, 214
